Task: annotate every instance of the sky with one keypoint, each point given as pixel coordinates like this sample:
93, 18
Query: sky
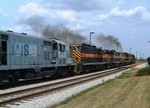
128, 20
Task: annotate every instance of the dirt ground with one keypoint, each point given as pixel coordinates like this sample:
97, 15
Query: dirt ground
126, 91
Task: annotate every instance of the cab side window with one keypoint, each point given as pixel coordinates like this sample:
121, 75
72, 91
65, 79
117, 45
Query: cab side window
62, 47
55, 46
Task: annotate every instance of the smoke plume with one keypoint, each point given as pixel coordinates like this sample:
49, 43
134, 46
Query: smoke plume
42, 27
109, 42
54, 31
63, 33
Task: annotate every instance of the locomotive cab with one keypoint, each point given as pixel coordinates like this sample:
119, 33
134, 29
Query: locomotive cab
59, 52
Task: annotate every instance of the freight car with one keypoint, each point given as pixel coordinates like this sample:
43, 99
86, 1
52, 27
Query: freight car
27, 57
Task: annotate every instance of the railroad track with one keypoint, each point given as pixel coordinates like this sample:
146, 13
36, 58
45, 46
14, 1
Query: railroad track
11, 98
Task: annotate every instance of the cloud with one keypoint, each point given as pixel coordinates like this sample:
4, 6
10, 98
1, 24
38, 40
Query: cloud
138, 12
76, 5
35, 13
23, 29
127, 13
80, 5
82, 20
67, 14
146, 15
2, 12
32, 9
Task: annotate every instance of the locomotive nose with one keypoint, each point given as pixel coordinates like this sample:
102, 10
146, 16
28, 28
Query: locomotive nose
75, 53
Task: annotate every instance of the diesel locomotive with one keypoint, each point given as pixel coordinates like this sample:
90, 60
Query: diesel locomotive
24, 56
90, 58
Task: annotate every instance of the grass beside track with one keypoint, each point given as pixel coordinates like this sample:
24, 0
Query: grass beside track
143, 71
126, 91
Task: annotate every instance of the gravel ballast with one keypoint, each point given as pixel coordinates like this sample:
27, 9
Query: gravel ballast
59, 96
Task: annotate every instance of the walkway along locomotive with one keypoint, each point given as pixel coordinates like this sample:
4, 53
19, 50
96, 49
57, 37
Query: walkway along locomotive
24, 56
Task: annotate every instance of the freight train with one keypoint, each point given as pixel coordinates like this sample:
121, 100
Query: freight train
24, 56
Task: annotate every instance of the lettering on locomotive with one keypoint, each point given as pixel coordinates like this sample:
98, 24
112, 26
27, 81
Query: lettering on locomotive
24, 50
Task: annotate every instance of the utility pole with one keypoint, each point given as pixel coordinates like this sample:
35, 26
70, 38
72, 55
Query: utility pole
130, 50
117, 46
136, 54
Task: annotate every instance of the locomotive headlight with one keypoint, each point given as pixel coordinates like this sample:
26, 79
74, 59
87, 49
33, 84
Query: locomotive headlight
53, 62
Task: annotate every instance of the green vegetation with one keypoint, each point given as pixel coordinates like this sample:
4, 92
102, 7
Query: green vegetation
80, 94
126, 91
143, 71
127, 75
